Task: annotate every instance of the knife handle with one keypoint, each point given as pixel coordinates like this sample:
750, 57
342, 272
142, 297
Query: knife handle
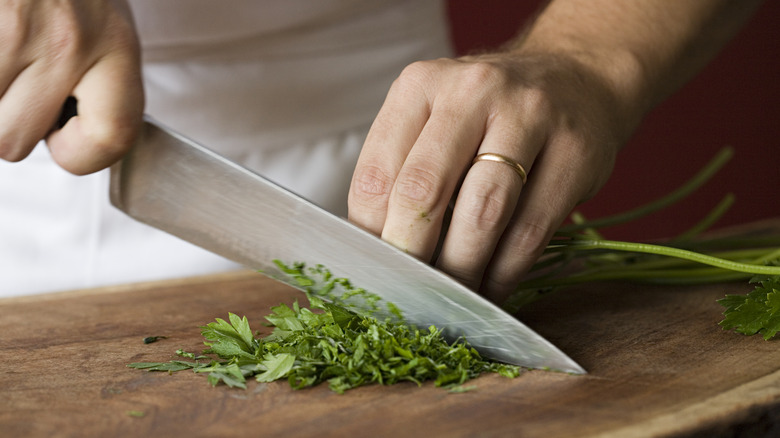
69, 110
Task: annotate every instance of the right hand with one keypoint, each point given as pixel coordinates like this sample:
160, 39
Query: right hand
50, 50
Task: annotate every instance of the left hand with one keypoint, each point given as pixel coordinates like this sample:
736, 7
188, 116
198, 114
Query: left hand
557, 118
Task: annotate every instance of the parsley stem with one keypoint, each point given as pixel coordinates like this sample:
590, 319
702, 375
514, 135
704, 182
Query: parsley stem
647, 248
708, 220
762, 241
660, 276
686, 189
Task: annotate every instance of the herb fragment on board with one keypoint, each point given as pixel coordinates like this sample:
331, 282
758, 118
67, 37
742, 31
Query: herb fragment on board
757, 312
459, 389
153, 339
189, 355
336, 345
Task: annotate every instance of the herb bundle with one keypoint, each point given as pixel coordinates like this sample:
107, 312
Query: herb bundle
580, 254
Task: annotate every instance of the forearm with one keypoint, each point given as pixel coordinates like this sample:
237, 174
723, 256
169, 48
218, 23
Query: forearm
644, 50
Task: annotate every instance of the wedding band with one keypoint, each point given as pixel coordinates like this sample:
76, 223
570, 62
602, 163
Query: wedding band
502, 159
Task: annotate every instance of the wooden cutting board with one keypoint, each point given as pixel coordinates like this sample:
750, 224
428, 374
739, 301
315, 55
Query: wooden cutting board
658, 365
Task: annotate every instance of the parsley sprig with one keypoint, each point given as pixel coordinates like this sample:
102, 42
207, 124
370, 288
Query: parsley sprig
756, 312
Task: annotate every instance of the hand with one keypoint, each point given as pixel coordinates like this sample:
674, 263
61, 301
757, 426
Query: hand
553, 115
51, 50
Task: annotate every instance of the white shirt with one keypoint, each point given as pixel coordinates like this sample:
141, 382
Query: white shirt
287, 88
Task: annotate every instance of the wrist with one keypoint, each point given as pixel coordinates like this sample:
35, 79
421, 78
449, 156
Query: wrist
642, 51
621, 72
617, 79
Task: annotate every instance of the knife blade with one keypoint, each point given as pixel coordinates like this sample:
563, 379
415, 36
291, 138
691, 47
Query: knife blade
185, 189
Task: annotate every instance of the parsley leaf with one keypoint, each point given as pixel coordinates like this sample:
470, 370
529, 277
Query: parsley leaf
228, 373
229, 339
277, 366
756, 312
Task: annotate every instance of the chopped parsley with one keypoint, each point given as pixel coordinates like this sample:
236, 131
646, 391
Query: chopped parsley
332, 342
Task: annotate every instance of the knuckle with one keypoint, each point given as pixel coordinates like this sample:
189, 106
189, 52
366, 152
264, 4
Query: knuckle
538, 101
486, 207
73, 32
64, 35
528, 239
480, 73
371, 185
531, 234
482, 83
413, 76
419, 74
418, 188
417, 70
571, 147
503, 285
466, 274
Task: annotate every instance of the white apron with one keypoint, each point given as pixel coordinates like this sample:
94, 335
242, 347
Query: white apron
287, 88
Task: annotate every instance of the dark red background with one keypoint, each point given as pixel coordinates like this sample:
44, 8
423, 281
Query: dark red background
734, 101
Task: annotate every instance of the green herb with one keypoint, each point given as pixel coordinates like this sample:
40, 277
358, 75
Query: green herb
344, 343
171, 366
461, 389
756, 312
580, 254
317, 281
153, 339
189, 355
336, 345
137, 414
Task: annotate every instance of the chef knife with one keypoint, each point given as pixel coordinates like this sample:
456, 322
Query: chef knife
173, 184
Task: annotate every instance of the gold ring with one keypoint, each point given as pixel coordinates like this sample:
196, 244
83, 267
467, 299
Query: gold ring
502, 159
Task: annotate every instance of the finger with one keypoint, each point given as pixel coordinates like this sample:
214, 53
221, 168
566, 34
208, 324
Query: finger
14, 36
29, 108
394, 131
547, 200
11, 66
110, 112
429, 176
486, 201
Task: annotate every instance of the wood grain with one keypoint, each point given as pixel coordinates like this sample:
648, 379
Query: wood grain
658, 366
